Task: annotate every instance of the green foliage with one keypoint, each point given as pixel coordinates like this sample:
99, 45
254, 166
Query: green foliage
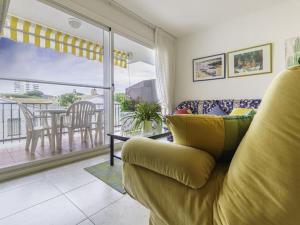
128, 104
68, 99
35, 94
29, 94
14, 95
119, 97
144, 112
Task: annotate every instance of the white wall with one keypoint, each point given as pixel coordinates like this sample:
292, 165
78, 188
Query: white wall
273, 25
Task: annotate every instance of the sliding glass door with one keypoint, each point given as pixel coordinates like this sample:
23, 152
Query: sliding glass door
53, 59
134, 80
48, 61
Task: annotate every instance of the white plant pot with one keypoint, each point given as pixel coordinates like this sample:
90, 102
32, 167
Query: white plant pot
147, 126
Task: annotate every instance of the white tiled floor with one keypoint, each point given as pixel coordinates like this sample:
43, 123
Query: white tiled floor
67, 195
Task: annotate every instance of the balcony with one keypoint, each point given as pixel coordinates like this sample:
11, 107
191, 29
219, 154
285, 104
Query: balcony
39, 53
13, 133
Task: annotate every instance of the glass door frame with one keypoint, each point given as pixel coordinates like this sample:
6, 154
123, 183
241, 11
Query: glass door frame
107, 62
108, 65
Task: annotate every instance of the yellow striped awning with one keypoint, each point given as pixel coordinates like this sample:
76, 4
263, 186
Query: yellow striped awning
25, 31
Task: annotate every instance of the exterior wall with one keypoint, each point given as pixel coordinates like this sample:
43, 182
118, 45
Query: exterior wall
144, 91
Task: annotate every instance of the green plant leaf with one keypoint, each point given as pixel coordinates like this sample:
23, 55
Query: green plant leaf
144, 112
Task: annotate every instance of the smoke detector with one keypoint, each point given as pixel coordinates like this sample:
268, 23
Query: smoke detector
74, 23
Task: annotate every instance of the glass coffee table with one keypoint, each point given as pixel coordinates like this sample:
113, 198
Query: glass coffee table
125, 136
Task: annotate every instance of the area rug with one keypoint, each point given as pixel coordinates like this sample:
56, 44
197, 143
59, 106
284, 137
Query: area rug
111, 175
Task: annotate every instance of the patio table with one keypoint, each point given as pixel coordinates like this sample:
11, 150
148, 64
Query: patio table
54, 115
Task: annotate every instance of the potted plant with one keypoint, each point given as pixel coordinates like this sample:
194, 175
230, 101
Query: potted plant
144, 115
127, 106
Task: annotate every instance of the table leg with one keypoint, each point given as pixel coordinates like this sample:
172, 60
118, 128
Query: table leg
112, 151
99, 128
59, 134
53, 132
96, 128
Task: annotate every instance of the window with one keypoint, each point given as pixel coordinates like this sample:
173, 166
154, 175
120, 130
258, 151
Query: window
49, 60
137, 82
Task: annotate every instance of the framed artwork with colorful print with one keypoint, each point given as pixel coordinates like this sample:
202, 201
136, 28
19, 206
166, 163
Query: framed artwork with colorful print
292, 52
250, 61
209, 68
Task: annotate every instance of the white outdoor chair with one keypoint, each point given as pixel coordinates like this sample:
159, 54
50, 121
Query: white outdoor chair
79, 116
34, 130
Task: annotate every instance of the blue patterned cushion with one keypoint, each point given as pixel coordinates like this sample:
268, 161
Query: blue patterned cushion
250, 103
225, 105
208, 105
217, 111
192, 105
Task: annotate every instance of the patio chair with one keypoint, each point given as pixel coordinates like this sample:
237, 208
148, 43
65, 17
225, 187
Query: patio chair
79, 116
98, 127
34, 130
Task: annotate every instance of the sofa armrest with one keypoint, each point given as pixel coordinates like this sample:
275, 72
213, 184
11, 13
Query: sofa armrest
187, 165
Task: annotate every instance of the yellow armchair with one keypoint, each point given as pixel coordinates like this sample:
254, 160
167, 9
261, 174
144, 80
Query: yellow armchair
184, 185
188, 166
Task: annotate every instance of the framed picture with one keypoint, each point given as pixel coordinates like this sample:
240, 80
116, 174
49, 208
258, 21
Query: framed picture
292, 52
250, 61
209, 68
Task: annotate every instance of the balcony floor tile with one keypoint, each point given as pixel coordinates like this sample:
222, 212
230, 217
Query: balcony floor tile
13, 153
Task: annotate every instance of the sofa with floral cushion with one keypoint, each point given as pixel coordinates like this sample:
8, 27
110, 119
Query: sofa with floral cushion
214, 107
186, 183
225, 105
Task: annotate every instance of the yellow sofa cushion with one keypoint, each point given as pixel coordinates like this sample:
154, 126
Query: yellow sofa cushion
205, 132
240, 111
263, 182
216, 135
187, 165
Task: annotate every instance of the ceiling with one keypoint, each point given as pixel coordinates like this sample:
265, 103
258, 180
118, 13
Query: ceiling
182, 17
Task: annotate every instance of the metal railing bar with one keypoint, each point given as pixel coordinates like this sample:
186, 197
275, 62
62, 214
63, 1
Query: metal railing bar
24, 137
32, 106
11, 78
11, 123
20, 124
3, 126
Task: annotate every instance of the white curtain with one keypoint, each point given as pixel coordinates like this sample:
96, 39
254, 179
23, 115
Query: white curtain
3, 12
165, 68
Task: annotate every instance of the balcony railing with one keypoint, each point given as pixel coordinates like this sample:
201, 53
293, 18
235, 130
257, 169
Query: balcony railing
13, 123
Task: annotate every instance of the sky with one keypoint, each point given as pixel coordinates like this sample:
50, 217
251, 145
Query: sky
23, 61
